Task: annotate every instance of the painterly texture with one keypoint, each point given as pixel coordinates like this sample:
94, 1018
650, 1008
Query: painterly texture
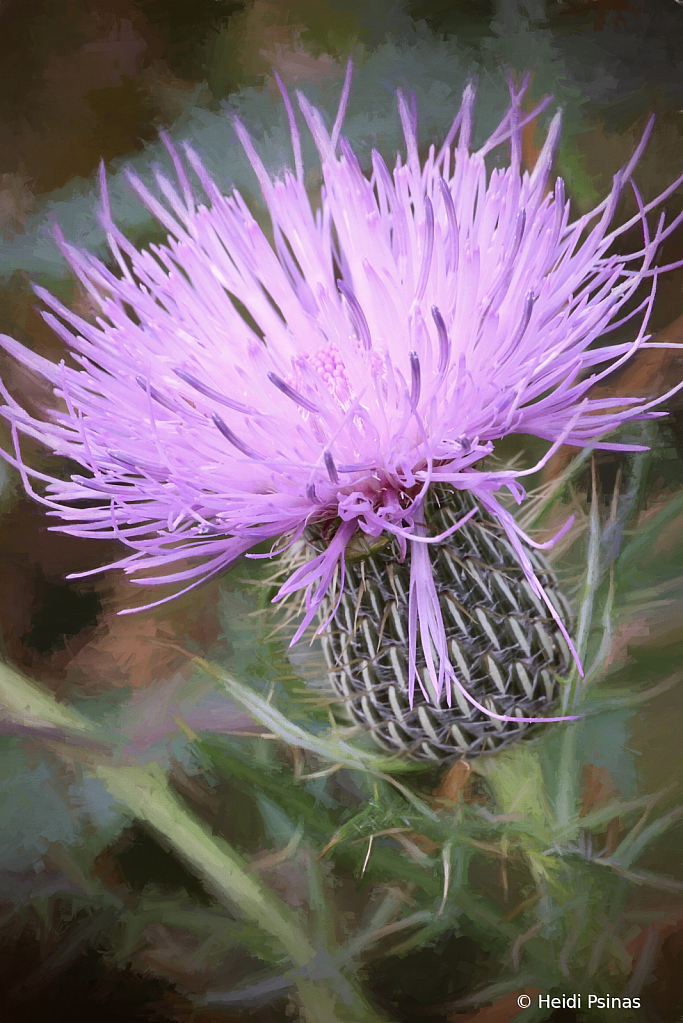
230, 390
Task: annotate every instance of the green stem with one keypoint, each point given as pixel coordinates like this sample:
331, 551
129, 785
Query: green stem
568, 788
325, 994
148, 796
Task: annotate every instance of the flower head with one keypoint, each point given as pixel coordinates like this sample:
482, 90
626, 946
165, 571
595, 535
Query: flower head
233, 390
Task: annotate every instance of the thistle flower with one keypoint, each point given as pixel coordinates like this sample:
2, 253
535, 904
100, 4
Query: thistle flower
232, 391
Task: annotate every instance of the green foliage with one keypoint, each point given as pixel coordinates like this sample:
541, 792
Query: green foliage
538, 871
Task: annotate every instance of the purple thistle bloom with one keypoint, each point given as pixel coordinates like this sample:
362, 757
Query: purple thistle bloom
393, 336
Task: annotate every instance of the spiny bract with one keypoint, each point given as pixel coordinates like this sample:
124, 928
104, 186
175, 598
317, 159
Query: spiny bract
507, 649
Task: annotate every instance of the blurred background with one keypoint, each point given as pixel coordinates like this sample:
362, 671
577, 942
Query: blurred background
84, 82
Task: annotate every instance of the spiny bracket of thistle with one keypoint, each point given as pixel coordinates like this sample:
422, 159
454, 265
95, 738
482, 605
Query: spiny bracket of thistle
508, 651
237, 385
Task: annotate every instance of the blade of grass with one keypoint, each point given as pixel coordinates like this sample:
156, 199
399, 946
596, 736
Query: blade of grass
328, 746
145, 794
635, 843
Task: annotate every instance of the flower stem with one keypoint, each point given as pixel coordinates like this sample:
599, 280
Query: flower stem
148, 797
325, 995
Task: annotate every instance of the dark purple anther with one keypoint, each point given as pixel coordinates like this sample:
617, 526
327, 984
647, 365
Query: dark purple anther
357, 314
444, 342
234, 439
291, 393
415, 381
331, 468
